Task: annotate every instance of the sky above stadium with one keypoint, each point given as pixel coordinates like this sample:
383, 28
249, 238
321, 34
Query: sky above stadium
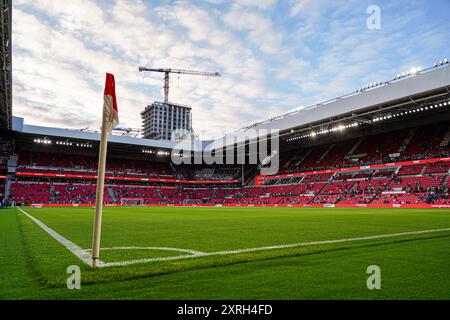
275, 56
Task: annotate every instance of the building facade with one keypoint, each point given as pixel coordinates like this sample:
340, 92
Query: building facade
161, 119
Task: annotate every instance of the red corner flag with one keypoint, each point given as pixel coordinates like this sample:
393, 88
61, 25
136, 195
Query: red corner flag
110, 112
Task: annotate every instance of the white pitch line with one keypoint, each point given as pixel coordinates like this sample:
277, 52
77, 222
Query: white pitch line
72, 247
147, 260
287, 246
193, 252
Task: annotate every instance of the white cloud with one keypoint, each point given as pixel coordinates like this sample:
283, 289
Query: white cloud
270, 62
260, 29
71, 75
74, 54
257, 3
298, 6
215, 1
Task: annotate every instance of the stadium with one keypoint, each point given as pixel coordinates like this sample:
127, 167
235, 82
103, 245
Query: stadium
387, 146
359, 180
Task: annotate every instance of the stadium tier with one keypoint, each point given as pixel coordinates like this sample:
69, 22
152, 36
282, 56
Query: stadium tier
416, 143
5, 150
71, 164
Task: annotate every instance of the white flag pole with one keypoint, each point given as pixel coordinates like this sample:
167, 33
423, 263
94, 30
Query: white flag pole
99, 193
110, 118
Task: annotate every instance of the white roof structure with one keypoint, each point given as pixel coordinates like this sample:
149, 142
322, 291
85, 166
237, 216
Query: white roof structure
367, 99
19, 126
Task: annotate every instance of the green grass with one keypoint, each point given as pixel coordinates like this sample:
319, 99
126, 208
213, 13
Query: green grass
412, 267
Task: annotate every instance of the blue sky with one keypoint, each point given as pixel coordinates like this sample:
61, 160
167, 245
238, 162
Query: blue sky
274, 56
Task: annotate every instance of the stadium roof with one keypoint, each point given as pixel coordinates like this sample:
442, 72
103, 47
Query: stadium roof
414, 88
5, 60
49, 132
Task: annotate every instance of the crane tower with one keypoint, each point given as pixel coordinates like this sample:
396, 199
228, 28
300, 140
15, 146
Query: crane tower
168, 71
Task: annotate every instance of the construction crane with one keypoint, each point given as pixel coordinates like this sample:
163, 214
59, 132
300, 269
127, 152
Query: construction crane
167, 72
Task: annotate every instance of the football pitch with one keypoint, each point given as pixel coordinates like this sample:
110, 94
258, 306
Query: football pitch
226, 253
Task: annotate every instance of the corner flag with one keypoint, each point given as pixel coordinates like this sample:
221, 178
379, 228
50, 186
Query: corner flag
110, 119
110, 103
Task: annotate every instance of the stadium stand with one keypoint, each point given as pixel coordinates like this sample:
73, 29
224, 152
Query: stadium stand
430, 188
5, 151
425, 142
71, 164
375, 152
41, 177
